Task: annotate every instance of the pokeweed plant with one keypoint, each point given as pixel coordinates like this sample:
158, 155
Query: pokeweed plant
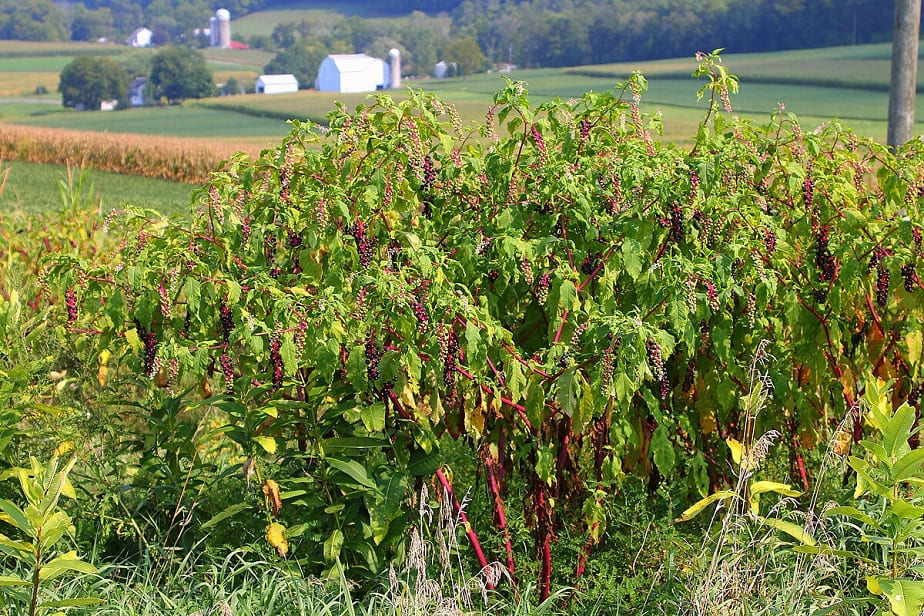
574, 297
42, 525
889, 482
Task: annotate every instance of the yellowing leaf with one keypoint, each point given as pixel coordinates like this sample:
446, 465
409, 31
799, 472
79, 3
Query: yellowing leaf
736, 448
707, 422
276, 537
63, 448
266, 442
701, 504
914, 341
102, 374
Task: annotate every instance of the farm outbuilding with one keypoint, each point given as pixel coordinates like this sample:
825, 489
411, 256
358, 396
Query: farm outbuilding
355, 72
141, 37
276, 84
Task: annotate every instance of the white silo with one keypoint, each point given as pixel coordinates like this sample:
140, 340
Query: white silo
224, 28
213, 31
394, 65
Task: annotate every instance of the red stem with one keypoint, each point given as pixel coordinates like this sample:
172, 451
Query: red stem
545, 574
561, 326
476, 545
499, 508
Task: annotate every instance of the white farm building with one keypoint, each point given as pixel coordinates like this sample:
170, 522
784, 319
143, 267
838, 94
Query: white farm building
276, 84
355, 72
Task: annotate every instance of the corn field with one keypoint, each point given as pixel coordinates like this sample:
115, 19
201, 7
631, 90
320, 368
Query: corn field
169, 158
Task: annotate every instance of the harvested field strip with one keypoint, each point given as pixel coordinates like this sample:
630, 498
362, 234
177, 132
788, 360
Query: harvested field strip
169, 158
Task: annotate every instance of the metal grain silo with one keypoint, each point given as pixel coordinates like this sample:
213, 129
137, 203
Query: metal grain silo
394, 62
224, 28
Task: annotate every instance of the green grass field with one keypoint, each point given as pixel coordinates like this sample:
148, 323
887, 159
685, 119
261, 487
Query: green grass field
176, 121
848, 83
34, 188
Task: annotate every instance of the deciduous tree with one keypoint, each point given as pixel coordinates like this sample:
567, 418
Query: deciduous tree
89, 80
178, 73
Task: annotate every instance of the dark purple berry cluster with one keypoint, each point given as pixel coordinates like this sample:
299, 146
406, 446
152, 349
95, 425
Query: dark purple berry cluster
820, 295
493, 275
373, 355
689, 378
824, 260
879, 253
590, 263
656, 361
674, 222
149, 339
276, 362
426, 188
294, 240
364, 244
227, 368
226, 319
914, 396
585, 129
916, 237
882, 286
71, 304
808, 192
770, 241
449, 364
909, 276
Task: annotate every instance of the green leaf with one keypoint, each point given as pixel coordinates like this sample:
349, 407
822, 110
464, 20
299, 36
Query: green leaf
906, 466
697, 507
354, 470
897, 431
906, 510
223, 515
631, 257
853, 513
333, 545
906, 597
343, 443
16, 517
423, 464
12, 580
64, 564
662, 450
76, 602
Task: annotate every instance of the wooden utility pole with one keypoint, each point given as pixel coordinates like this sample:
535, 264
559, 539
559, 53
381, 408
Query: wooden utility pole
904, 77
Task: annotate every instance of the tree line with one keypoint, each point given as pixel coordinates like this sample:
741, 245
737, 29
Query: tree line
537, 33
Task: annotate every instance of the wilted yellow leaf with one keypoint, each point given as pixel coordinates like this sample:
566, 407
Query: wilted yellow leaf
271, 491
276, 537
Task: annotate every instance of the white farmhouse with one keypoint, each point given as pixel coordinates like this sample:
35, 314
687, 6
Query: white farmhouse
140, 38
276, 84
355, 72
